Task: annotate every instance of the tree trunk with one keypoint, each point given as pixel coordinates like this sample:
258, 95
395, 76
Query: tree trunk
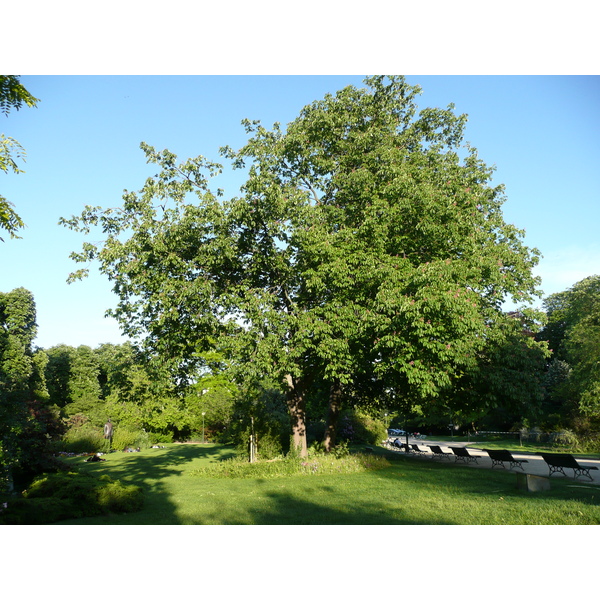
297, 407
335, 406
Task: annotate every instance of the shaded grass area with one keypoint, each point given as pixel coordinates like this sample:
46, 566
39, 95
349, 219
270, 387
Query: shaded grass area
407, 491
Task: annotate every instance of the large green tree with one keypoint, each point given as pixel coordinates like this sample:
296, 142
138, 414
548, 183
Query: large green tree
367, 246
27, 419
12, 95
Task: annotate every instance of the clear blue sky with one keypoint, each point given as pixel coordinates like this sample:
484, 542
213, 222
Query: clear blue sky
82, 143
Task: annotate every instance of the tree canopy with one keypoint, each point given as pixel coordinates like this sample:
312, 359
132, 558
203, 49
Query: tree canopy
367, 250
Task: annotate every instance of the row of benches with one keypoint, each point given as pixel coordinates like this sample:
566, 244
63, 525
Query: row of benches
556, 462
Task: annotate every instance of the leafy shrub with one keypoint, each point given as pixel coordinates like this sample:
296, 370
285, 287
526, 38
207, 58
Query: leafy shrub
57, 496
583, 442
340, 450
35, 511
161, 438
115, 497
80, 440
315, 431
124, 438
142, 440
359, 427
269, 445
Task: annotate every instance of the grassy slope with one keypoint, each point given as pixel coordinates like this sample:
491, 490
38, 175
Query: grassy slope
409, 491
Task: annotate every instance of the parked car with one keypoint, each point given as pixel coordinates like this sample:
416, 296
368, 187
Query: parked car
396, 432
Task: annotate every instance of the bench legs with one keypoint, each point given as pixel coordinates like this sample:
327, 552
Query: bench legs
583, 472
577, 472
466, 459
513, 463
553, 469
442, 455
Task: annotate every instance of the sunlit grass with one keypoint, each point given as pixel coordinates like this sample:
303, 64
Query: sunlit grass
181, 489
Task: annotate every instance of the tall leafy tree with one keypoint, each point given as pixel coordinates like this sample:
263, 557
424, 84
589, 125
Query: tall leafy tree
12, 95
573, 333
367, 246
27, 421
58, 373
115, 361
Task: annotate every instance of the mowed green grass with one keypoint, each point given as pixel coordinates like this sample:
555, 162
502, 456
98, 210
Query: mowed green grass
410, 490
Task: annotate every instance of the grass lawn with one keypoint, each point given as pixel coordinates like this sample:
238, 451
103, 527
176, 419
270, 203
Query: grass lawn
407, 491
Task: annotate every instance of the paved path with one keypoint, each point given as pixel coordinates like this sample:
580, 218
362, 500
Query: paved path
535, 465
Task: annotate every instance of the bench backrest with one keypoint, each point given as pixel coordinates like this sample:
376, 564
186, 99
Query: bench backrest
459, 451
560, 460
437, 450
500, 454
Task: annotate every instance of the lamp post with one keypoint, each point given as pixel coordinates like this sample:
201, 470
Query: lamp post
203, 427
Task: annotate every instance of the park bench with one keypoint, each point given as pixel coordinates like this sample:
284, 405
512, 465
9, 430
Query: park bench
416, 450
437, 451
558, 462
499, 457
463, 455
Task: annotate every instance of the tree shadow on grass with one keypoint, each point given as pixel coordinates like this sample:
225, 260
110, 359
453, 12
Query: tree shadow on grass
150, 469
379, 497
288, 510
306, 500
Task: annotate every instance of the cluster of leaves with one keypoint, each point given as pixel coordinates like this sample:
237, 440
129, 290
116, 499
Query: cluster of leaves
12, 95
71, 495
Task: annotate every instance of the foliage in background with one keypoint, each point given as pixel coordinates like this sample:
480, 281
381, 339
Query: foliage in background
260, 411
114, 381
214, 395
573, 334
83, 439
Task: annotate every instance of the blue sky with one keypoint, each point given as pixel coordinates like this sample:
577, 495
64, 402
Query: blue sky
82, 143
